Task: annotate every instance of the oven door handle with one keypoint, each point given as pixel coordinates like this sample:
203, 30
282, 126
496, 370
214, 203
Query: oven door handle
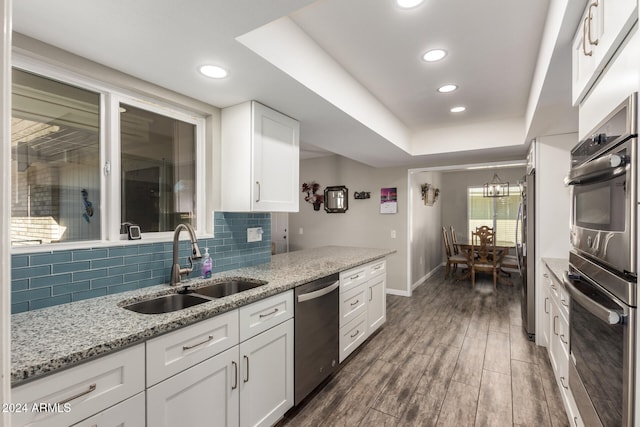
604, 168
601, 312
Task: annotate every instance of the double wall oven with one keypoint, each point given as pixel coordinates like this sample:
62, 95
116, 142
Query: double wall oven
602, 276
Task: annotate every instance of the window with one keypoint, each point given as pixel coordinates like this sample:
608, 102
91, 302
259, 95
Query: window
157, 157
55, 155
497, 212
59, 149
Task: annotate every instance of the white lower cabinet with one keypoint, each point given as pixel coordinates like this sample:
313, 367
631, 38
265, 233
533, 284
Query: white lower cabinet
206, 392
377, 302
67, 397
129, 413
362, 304
266, 376
250, 383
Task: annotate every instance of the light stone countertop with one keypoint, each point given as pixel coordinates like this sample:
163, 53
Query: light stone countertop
50, 339
557, 266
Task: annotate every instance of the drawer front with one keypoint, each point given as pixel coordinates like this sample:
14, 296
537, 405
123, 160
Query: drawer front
129, 413
351, 278
352, 304
376, 268
176, 351
265, 314
352, 335
81, 391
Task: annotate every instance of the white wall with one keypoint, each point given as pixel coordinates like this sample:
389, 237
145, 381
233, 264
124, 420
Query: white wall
362, 225
454, 192
425, 228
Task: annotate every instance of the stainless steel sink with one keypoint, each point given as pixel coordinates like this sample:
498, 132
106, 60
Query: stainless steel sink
223, 289
166, 304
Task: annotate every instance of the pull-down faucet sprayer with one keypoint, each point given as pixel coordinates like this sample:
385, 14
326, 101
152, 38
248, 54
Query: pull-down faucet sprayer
176, 271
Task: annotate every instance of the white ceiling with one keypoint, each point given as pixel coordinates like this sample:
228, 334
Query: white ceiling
492, 45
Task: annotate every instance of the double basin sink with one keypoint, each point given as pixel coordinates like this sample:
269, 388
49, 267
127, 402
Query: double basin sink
190, 297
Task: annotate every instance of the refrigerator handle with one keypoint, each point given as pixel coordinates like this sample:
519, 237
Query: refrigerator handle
518, 223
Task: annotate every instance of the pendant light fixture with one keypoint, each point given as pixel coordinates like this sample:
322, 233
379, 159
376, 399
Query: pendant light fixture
496, 188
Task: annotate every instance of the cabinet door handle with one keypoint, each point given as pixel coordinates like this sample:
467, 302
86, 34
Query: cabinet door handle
91, 388
564, 302
563, 384
562, 339
275, 310
258, 184
584, 38
370, 294
246, 376
545, 305
354, 277
355, 333
235, 375
555, 318
355, 302
590, 16
189, 347
545, 275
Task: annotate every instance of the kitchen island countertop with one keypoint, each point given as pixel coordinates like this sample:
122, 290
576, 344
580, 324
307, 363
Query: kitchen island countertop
48, 340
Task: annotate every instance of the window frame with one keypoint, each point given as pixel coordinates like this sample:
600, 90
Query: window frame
494, 217
109, 136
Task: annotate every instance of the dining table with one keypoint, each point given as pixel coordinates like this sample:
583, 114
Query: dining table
464, 246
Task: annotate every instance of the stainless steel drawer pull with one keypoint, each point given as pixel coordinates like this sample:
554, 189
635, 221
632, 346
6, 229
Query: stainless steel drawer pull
562, 339
189, 347
563, 384
377, 267
564, 302
275, 310
545, 275
355, 302
91, 388
555, 318
355, 334
545, 305
235, 375
354, 277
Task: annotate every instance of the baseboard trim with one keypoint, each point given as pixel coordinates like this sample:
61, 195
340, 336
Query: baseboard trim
398, 292
425, 277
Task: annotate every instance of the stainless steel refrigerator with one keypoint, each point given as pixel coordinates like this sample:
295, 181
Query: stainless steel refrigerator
525, 252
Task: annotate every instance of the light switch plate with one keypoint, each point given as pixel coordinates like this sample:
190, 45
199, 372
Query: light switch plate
254, 234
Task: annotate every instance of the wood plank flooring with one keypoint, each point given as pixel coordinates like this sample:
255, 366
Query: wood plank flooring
448, 356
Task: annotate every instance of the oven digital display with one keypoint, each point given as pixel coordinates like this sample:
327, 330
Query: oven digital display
594, 206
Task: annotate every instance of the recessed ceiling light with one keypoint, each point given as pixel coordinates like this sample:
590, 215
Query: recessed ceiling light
213, 71
408, 4
447, 88
434, 55
458, 109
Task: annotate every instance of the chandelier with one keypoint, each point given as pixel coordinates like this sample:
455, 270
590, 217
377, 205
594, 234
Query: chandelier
496, 188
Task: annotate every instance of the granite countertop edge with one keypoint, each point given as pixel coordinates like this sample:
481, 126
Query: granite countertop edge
557, 266
49, 340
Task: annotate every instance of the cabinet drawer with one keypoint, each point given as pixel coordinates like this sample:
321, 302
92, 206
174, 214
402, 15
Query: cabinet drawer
129, 413
176, 351
267, 313
376, 268
352, 278
82, 391
352, 335
352, 304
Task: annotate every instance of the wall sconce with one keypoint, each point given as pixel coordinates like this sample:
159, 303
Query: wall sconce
429, 194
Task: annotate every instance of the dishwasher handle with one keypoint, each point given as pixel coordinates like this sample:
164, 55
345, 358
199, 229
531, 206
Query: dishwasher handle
320, 292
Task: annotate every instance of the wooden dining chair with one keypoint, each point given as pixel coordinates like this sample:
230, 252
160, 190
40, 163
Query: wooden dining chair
454, 240
452, 259
485, 232
487, 258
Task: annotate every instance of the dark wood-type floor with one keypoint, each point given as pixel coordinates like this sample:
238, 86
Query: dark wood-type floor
448, 356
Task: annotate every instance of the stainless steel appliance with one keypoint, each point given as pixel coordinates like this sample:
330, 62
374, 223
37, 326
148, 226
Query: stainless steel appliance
602, 277
525, 248
316, 333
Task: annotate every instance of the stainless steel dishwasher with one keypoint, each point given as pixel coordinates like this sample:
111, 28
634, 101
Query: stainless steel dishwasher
317, 324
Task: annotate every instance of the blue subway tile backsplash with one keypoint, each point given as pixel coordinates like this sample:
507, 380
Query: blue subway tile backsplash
45, 279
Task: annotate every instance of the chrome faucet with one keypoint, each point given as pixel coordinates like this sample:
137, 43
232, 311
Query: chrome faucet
176, 271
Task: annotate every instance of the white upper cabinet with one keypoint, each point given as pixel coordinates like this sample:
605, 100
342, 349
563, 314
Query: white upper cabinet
259, 159
603, 27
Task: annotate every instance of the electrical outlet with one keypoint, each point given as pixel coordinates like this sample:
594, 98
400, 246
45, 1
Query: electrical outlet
393, 234
300, 230
254, 234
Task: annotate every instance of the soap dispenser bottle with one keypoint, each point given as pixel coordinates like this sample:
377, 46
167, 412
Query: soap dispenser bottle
207, 264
